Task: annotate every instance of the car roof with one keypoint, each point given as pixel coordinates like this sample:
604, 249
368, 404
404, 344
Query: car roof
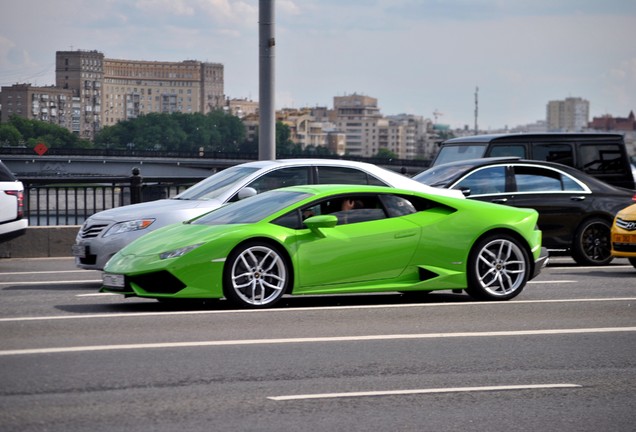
530, 136
488, 161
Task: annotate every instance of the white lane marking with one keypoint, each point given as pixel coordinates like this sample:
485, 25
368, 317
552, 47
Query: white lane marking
106, 294
241, 342
421, 391
551, 282
52, 282
51, 272
309, 308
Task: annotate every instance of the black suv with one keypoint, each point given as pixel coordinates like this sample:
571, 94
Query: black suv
601, 155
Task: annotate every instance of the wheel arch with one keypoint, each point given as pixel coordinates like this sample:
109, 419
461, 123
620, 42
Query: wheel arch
279, 247
512, 233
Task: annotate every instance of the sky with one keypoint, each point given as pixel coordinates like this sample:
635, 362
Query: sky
414, 56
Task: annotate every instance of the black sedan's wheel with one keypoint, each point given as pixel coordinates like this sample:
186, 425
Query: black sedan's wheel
498, 268
592, 243
632, 261
256, 275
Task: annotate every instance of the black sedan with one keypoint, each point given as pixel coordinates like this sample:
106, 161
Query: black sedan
575, 210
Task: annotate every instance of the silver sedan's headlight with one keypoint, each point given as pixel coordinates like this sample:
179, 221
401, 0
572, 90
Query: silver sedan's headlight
128, 226
179, 252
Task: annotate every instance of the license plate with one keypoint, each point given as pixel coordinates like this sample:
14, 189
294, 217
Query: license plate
79, 251
113, 280
624, 238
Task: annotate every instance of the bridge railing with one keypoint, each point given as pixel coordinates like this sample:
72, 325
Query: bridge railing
71, 202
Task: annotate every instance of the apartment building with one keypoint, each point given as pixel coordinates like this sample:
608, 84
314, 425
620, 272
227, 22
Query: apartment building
357, 116
569, 115
110, 90
50, 104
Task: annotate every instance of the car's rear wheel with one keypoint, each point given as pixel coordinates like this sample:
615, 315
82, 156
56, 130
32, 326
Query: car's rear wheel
256, 275
498, 268
592, 243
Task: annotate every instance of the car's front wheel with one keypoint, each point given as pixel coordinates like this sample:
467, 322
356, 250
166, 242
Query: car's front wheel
498, 268
256, 275
592, 243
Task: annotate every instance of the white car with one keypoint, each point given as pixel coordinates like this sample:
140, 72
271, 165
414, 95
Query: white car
106, 232
12, 222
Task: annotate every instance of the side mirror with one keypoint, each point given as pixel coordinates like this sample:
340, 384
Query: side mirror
246, 192
465, 191
315, 223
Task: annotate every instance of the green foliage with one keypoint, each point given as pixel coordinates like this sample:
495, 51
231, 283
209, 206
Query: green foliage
20, 130
216, 131
384, 153
10, 135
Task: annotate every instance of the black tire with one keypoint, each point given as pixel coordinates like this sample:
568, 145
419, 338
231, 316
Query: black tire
256, 275
498, 268
632, 261
592, 243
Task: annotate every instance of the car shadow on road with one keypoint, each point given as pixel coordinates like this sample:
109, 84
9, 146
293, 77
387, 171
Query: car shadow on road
136, 305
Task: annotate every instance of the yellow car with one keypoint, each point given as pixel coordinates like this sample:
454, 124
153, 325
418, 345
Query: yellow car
624, 234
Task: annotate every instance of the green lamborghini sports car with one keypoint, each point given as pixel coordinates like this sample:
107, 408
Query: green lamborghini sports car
332, 239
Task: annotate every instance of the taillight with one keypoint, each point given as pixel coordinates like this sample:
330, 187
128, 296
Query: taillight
20, 197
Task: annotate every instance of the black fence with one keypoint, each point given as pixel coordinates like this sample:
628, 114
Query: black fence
49, 202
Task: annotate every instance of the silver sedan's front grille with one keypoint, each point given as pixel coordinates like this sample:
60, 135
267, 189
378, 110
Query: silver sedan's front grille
626, 224
91, 231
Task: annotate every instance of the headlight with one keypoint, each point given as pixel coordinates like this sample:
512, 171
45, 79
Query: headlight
128, 226
178, 252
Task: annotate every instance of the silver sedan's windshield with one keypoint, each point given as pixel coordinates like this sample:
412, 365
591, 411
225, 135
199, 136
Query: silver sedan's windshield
251, 210
217, 184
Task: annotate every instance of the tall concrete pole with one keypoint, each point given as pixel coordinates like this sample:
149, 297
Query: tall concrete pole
267, 116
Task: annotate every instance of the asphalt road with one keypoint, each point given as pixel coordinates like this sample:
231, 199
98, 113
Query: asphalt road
559, 357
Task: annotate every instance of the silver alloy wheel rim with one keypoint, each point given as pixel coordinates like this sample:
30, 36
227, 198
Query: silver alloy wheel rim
500, 267
258, 275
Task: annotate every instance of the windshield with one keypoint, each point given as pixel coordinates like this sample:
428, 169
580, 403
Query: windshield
453, 153
442, 175
217, 184
253, 209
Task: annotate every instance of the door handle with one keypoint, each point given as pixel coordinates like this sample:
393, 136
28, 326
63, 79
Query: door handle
577, 198
499, 200
404, 234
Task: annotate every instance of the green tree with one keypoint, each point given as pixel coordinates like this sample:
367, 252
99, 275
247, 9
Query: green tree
36, 131
384, 153
9, 135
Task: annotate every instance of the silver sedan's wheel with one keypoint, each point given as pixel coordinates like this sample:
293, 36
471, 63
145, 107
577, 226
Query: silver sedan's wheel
256, 275
498, 268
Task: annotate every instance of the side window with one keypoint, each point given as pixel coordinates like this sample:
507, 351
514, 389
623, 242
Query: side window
508, 150
343, 175
560, 153
533, 179
603, 158
489, 180
279, 178
397, 205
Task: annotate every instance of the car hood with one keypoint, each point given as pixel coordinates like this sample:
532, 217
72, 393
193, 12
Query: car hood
160, 209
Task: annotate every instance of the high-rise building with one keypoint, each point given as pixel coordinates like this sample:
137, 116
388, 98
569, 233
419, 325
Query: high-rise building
357, 116
50, 104
93, 91
569, 115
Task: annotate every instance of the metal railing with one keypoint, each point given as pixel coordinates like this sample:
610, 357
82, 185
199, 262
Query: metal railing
72, 202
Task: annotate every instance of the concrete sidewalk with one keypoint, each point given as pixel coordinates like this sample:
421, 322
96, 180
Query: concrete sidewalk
41, 242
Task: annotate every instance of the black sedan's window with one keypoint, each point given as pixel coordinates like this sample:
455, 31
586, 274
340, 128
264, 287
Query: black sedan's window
491, 180
535, 179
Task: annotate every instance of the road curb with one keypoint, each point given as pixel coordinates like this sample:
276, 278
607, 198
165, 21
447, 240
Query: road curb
41, 241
